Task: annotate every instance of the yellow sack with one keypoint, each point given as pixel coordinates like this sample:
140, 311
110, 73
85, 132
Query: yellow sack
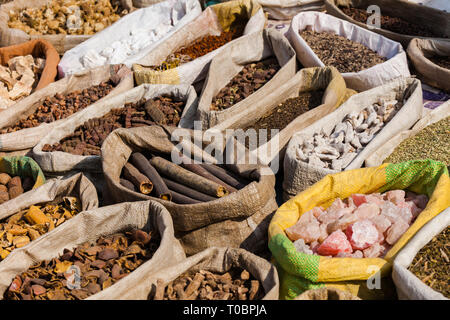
299, 272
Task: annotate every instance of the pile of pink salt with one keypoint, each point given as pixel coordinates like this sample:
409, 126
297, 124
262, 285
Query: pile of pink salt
361, 226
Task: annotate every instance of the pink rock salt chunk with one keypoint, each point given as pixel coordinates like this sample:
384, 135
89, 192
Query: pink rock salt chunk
395, 231
350, 203
323, 232
396, 196
376, 198
391, 211
367, 211
332, 215
357, 254
358, 199
342, 223
306, 228
362, 234
381, 222
405, 212
420, 200
415, 210
317, 211
314, 246
374, 251
337, 204
335, 243
343, 255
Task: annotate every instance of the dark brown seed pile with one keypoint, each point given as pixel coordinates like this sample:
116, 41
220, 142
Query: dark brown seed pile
236, 284
62, 106
340, 52
394, 24
11, 187
101, 265
88, 138
442, 61
252, 77
432, 263
285, 113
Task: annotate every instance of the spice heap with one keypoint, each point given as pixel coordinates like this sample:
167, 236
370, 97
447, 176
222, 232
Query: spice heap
360, 226
283, 114
432, 142
187, 183
236, 284
197, 49
88, 138
73, 17
19, 78
11, 187
337, 149
394, 24
28, 225
62, 106
252, 77
442, 61
431, 264
340, 52
101, 265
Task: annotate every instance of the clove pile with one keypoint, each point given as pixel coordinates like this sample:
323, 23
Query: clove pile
29, 224
338, 149
236, 284
88, 138
338, 51
252, 77
85, 270
19, 78
61, 106
188, 183
11, 187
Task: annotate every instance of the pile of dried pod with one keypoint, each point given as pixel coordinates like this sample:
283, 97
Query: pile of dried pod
11, 187
19, 78
73, 17
29, 224
88, 269
236, 284
337, 149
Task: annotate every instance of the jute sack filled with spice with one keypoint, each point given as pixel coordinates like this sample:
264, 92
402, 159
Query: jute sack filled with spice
319, 92
118, 80
400, 21
360, 71
343, 139
243, 216
409, 285
217, 260
61, 41
130, 38
60, 161
232, 60
287, 9
300, 271
89, 226
422, 52
326, 294
221, 23
424, 149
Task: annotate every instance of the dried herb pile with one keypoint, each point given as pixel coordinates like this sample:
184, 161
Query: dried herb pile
432, 142
285, 113
252, 77
11, 187
236, 284
88, 138
29, 224
101, 264
62, 106
340, 52
442, 61
432, 264
394, 24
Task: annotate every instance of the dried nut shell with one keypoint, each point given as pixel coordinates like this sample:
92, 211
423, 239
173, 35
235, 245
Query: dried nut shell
4, 178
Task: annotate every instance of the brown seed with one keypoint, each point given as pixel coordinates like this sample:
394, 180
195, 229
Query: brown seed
98, 264
4, 196
141, 236
107, 254
38, 289
4, 178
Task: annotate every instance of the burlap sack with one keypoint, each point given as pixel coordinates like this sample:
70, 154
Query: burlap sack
378, 156
287, 9
237, 220
38, 48
61, 42
145, 3
215, 259
231, 60
89, 226
419, 50
396, 66
28, 138
212, 21
298, 175
58, 161
408, 286
327, 78
437, 20
326, 294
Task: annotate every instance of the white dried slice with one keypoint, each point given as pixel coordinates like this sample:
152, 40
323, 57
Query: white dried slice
6, 78
349, 133
19, 90
361, 128
314, 160
300, 155
5, 102
365, 137
355, 142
